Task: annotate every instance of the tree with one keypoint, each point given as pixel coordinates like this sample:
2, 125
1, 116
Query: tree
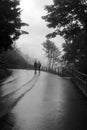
52, 52
76, 52
10, 23
69, 19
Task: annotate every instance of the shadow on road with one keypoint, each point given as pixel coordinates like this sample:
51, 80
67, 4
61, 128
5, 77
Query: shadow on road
15, 96
11, 93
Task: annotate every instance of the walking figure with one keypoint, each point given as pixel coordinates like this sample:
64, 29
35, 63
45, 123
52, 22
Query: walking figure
35, 67
39, 66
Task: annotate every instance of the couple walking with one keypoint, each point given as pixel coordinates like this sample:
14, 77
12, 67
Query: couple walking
37, 66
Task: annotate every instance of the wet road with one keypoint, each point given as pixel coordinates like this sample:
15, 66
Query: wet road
43, 102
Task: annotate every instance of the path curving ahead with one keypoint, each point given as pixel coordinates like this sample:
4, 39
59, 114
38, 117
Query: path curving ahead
52, 103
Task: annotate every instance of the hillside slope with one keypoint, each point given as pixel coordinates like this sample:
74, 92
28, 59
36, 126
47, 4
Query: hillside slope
14, 59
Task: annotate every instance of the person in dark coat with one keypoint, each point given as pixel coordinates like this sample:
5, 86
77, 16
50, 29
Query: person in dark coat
35, 67
39, 66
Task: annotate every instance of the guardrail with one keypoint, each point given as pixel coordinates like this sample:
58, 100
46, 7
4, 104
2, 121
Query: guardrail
80, 80
53, 71
77, 77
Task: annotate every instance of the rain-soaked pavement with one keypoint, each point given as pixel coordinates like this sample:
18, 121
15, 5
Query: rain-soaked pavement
41, 102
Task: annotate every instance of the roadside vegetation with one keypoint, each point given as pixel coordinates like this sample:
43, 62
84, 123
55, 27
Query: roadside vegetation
10, 30
12, 59
69, 19
52, 53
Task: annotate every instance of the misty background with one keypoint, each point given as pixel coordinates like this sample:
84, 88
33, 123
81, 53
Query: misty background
32, 11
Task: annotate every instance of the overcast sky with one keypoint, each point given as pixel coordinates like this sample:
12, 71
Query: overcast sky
32, 44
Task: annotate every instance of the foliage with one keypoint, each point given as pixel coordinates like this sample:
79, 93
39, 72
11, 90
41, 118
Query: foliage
4, 74
10, 23
13, 59
69, 19
52, 52
76, 52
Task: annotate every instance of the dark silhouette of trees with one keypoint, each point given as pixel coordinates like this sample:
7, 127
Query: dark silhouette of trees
14, 59
76, 52
69, 19
51, 52
10, 23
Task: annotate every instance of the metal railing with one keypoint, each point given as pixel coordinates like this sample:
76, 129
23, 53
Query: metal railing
80, 80
53, 71
77, 77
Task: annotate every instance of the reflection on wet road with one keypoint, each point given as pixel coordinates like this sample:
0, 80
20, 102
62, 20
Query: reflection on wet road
16, 81
48, 102
12, 96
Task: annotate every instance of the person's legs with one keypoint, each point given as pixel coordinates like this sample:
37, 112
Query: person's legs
35, 71
39, 70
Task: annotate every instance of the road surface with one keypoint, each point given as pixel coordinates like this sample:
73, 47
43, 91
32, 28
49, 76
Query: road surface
41, 102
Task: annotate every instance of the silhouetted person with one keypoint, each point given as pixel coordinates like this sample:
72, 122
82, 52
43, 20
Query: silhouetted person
35, 67
39, 66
